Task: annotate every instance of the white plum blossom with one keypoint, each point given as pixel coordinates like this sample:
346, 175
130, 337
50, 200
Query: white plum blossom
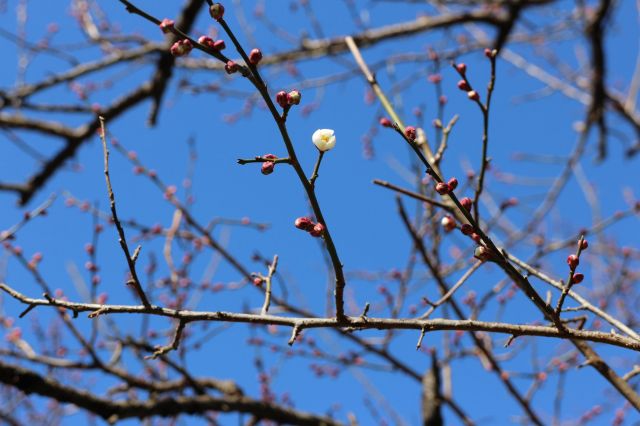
324, 139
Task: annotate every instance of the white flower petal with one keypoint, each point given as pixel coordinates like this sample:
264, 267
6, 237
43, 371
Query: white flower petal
324, 139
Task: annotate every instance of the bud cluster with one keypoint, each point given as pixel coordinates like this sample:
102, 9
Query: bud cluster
306, 224
285, 99
181, 47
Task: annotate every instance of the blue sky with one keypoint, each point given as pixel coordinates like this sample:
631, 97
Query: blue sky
363, 219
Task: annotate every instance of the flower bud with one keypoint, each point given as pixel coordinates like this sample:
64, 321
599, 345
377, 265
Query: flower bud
573, 261
219, 45
230, 67
166, 25
461, 68
466, 203
206, 41
410, 133
281, 98
482, 253
490, 53
463, 85
434, 78
255, 56
473, 95
442, 188
385, 122
304, 223
293, 97
577, 278
466, 229
584, 245
452, 184
181, 47
448, 223
317, 230
267, 167
476, 237
257, 281
216, 11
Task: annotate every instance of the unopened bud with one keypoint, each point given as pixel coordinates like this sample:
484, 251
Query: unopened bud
317, 230
490, 53
448, 223
166, 25
281, 98
410, 133
466, 229
385, 122
573, 261
216, 11
304, 223
463, 85
452, 184
466, 203
442, 188
230, 67
293, 97
255, 56
267, 167
473, 95
577, 278
219, 45
461, 68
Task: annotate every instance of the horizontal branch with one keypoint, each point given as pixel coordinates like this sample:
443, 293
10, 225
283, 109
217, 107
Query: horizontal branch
350, 323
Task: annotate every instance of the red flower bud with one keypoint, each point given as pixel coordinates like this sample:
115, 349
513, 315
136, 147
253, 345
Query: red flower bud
466, 203
181, 47
573, 261
410, 133
476, 237
452, 184
577, 278
216, 11
473, 95
255, 56
442, 188
584, 245
230, 67
166, 25
385, 122
304, 223
257, 281
219, 45
269, 157
281, 98
317, 230
466, 229
461, 68
267, 167
463, 85
489, 53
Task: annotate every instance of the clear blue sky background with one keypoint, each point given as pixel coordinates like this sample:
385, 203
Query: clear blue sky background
363, 219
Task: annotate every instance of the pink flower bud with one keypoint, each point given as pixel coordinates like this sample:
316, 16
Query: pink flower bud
466, 203
216, 11
257, 281
317, 230
181, 47
410, 133
463, 85
489, 53
442, 99
385, 122
293, 97
448, 223
281, 98
577, 278
304, 223
466, 229
573, 261
230, 67
584, 245
473, 95
219, 45
267, 167
452, 184
255, 56
476, 237
166, 25
442, 188
269, 157
461, 68
206, 41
